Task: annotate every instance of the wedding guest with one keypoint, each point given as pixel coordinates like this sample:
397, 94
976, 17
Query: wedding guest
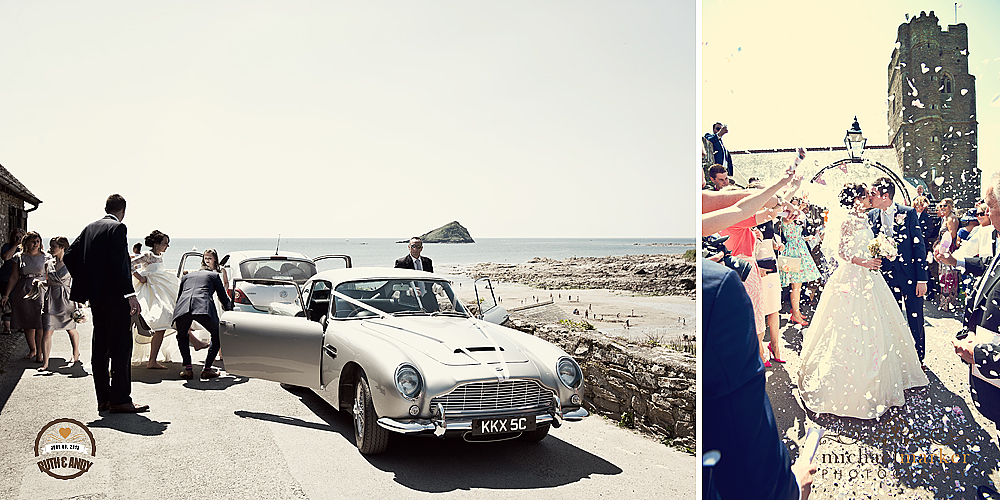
60, 311
742, 243
720, 154
968, 222
718, 176
947, 242
155, 288
929, 224
738, 420
795, 247
767, 245
7, 252
979, 351
99, 263
194, 303
413, 260
24, 292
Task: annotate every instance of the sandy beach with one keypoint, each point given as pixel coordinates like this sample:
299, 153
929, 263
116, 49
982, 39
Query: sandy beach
665, 316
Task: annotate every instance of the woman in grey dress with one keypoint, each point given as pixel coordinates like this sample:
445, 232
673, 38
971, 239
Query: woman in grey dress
29, 267
58, 308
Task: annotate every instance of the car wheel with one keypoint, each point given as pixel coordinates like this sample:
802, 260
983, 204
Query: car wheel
536, 435
370, 437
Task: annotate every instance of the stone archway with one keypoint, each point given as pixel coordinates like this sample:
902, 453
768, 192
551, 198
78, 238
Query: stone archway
845, 164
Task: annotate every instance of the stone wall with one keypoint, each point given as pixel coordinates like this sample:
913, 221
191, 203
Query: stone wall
656, 386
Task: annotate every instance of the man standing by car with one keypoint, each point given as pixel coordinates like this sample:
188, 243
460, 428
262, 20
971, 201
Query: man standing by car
414, 260
194, 303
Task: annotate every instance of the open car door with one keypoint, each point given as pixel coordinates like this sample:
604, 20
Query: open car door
489, 309
280, 348
190, 261
332, 262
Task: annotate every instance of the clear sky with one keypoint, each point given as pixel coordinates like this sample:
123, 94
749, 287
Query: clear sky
353, 119
792, 73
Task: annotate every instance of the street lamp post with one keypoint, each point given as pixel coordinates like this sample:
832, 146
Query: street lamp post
855, 142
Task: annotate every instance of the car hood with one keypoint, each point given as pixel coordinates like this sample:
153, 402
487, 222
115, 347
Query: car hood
450, 341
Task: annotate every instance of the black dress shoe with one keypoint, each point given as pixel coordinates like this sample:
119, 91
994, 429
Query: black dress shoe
103, 406
984, 492
129, 408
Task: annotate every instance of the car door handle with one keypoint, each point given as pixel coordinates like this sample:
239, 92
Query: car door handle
227, 323
330, 351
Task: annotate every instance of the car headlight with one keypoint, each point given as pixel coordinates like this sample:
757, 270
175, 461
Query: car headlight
408, 381
569, 373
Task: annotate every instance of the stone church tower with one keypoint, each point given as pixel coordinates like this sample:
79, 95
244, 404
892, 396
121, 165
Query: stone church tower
932, 108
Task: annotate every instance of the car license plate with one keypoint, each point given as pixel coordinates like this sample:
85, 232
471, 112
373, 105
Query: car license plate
505, 425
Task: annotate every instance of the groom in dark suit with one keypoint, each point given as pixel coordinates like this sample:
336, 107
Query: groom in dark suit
194, 303
99, 262
906, 275
413, 260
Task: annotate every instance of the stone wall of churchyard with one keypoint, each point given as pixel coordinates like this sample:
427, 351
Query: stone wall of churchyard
8, 200
652, 389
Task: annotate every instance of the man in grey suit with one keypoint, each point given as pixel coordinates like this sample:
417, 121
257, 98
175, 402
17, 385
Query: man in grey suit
194, 303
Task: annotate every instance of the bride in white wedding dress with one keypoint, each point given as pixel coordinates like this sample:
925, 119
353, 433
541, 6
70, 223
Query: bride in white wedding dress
858, 355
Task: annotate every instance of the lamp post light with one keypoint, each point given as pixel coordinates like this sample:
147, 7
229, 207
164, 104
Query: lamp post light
855, 142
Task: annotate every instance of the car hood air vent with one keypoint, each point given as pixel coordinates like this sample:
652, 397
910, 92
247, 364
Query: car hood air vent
488, 348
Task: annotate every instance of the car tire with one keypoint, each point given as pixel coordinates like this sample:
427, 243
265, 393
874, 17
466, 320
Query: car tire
536, 435
370, 437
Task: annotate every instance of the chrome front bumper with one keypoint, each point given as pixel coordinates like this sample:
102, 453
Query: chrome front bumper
439, 425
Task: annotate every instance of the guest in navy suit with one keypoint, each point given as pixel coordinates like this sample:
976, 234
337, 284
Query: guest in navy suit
737, 417
906, 275
721, 155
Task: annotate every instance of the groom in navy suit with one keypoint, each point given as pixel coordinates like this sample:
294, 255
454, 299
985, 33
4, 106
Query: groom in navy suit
906, 275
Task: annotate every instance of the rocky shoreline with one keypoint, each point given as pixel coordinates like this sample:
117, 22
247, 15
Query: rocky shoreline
662, 274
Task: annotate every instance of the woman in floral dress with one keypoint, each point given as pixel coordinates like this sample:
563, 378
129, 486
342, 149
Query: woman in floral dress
795, 247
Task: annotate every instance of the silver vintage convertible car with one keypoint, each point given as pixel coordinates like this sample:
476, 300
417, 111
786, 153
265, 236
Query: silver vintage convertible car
397, 349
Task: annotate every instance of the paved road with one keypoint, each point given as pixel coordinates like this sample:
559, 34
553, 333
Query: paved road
872, 458
234, 437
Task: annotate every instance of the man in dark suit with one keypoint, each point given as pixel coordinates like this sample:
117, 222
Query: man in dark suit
906, 275
194, 303
413, 260
982, 317
99, 262
737, 418
720, 153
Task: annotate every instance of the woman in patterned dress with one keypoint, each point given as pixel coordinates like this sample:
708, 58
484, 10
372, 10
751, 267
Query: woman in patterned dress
948, 238
795, 247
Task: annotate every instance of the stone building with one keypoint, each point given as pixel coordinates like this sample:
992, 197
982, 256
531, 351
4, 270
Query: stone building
13, 198
932, 108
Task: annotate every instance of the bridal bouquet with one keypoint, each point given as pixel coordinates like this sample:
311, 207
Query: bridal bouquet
883, 247
79, 316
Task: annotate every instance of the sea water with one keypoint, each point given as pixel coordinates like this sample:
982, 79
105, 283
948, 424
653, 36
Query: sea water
383, 252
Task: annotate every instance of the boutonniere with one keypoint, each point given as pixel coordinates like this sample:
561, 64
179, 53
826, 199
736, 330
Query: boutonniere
900, 219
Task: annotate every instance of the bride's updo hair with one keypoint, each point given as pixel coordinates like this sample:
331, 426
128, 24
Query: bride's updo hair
155, 237
852, 192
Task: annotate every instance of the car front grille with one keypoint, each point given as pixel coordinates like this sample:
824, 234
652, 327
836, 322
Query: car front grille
489, 397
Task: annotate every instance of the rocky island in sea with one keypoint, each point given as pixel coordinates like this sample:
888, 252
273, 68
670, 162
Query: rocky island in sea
452, 232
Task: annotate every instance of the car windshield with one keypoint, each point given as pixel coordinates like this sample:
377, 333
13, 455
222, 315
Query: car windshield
399, 297
278, 269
